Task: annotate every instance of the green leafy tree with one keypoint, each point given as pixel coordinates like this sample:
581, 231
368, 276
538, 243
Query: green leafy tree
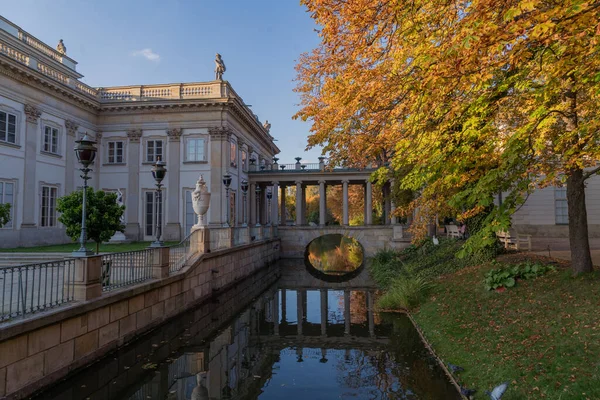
4, 214
103, 215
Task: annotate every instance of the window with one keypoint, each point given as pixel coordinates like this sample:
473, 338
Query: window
195, 150
154, 150
8, 127
233, 154
560, 206
7, 190
115, 153
244, 161
48, 211
50, 144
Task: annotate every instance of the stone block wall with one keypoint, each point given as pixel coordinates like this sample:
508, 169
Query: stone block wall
294, 239
40, 350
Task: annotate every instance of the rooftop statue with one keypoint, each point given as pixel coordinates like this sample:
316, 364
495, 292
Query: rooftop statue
219, 68
61, 48
267, 125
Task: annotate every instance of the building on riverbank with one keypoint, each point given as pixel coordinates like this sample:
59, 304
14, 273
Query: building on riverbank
196, 128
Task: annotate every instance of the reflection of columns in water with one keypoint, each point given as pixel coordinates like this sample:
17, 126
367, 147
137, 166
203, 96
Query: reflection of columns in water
347, 312
299, 311
275, 311
299, 354
370, 314
324, 312
304, 305
283, 307
323, 356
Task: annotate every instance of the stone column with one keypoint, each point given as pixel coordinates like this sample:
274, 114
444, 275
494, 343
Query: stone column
345, 216
322, 203
323, 312
219, 162
70, 156
173, 227
299, 203
134, 197
275, 204
32, 115
252, 204
304, 218
283, 212
369, 204
346, 312
264, 204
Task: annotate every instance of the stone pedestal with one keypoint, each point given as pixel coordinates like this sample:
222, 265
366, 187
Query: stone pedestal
200, 240
160, 262
119, 237
87, 284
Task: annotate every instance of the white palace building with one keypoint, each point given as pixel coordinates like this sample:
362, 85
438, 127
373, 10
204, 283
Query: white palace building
196, 128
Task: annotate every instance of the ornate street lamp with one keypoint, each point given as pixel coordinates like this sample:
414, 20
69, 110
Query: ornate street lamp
158, 173
257, 193
86, 153
244, 191
269, 197
227, 183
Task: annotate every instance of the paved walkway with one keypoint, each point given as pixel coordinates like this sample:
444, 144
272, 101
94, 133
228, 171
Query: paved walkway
559, 248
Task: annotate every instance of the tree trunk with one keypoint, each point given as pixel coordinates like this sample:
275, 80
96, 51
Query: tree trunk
581, 259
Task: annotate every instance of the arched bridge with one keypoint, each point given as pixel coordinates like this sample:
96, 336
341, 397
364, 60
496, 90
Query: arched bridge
294, 239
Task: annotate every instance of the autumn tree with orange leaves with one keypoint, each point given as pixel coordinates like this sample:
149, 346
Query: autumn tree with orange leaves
469, 98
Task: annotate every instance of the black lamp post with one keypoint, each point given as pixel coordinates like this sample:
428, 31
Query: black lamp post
158, 173
227, 183
244, 191
86, 153
269, 197
257, 193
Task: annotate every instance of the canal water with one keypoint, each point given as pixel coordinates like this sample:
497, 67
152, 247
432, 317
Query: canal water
281, 334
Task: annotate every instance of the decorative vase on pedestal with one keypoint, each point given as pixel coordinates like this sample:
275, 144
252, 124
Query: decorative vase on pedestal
200, 202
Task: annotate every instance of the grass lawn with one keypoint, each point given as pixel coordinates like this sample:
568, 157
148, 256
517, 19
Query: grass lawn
67, 248
543, 335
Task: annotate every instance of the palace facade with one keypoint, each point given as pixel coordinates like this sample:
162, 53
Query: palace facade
196, 128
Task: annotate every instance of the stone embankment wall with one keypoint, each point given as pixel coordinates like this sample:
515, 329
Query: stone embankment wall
42, 349
294, 239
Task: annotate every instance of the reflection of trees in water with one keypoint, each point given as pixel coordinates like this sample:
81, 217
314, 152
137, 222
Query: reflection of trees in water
335, 253
367, 368
358, 307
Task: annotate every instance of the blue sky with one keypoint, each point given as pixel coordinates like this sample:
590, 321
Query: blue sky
176, 41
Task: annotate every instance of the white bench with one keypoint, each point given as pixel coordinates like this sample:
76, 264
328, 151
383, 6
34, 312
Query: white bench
514, 241
452, 231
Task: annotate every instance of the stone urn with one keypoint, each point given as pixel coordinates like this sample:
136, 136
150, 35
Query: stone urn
200, 201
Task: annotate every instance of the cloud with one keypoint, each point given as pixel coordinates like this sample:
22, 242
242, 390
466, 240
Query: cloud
148, 54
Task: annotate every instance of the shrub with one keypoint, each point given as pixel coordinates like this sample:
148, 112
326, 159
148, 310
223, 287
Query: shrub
405, 292
507, 276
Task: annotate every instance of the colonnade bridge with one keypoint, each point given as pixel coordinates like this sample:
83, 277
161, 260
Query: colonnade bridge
268, 200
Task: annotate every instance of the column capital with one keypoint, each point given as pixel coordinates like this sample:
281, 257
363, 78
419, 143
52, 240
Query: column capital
71, 127
241, 142
32, 113
298, 182
99, 136
275, 183
345, 181
322, 181
250, 149
219, 133
174, 134
134, 135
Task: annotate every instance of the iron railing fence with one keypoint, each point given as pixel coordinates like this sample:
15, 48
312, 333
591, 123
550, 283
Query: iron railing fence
30, 288
127, 268
179, 254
